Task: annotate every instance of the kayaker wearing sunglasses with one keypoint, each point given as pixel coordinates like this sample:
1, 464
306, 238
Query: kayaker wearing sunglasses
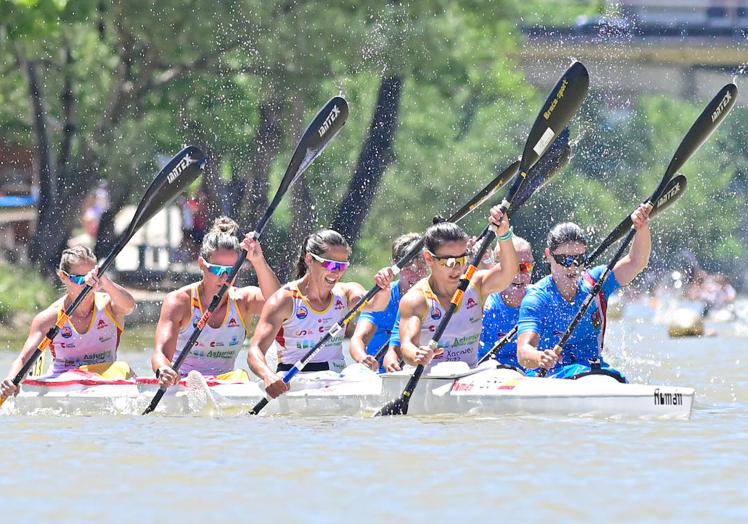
551, 304
92, 334
302, 311
501, 312
423, 307
215, 352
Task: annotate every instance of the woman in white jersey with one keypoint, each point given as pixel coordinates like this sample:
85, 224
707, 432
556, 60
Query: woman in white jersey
215, 352
302, 311
92, 334
423, 307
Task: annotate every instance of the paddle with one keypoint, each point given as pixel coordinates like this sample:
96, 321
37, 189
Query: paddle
179, 173
325, 126
709, 120
673, 190
564, 100
497, 347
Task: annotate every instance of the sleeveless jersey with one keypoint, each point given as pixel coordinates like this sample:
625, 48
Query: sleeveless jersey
306, 326
216, 349
98, 344
461, 339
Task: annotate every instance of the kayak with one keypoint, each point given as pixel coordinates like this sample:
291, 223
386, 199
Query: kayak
449, 388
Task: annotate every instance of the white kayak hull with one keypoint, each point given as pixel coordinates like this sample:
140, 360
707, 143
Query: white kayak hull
447, 390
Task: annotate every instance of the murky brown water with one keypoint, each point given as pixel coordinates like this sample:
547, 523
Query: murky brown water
526, 469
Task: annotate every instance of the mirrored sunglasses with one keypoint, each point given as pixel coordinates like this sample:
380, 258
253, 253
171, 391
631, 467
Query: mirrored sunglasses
331, 265
450, 261
219, 270
570, 260
526, 267
76, 279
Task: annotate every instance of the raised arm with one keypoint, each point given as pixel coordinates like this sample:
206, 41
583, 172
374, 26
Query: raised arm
637, 258
266, 278
500, 275
120, 299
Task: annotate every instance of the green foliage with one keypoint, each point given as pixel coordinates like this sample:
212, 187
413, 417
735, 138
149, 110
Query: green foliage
23, 290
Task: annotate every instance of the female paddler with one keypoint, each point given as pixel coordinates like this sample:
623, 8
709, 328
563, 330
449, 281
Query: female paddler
374, 328
423, 307
91, 337
215, 352
302, 311
551, 304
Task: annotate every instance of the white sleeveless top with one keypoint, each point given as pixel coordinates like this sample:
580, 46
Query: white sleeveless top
216, 349
461, 339
98, 344
306, 326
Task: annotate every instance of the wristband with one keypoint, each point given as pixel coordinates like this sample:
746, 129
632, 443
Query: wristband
506, 236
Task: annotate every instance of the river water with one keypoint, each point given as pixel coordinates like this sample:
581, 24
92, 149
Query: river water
436, 469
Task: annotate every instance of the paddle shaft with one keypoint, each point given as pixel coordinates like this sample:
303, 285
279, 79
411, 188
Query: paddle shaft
500, 344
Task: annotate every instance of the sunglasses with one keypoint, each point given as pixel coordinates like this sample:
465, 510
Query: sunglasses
526, 267
76, 279
450, 261
570, 260
331, 265
219, 270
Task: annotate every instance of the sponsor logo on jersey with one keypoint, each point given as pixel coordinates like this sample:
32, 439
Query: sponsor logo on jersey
471, 303
234, 341
339, 304
104, 339
302, 312
233, 322
215, 344
66, 332
436, 313
302, 332
101, 324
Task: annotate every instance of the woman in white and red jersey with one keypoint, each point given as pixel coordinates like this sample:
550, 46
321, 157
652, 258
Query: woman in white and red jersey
302, 311
216, 349
92, 334
425, 305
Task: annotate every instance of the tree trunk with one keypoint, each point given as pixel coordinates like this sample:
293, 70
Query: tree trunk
378, 152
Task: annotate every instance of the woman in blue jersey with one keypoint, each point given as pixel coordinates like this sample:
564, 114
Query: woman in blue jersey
501, 311
423, 307
216, 349
374, 329
299, 314
551, 304
92, 334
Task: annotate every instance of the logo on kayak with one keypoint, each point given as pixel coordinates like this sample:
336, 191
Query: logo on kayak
471, 303
66, 332
233, 322
302, 313
436, 313
667, 399
101, 324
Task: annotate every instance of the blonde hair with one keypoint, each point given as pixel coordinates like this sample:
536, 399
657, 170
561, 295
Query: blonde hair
222, 235
74, 255
519, 244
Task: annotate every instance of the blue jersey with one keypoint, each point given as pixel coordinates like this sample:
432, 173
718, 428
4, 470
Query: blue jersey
546, 312
498, 320
383, 320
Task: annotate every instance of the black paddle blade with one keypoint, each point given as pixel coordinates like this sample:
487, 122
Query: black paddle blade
177, 174
547, 167
328, 123
325, 126
487, 192
565, 99
672, 192
398, 406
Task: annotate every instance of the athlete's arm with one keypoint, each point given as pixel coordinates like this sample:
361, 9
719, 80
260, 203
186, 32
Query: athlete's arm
641, 248
39, 327
391, 360
173, 312
380, 301
530, 356
278, 308
120, 299
365, 331
501, 274
413, 307
266, 278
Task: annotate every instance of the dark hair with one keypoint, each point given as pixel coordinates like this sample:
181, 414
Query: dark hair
563, 233
318, 243
443, 232
403, 244
222, 235
73, 255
